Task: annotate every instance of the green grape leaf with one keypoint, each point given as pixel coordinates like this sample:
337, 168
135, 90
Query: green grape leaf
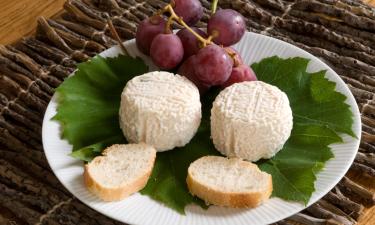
319, 114
89, 101
167, 182
312, 97
88, 153
88, 112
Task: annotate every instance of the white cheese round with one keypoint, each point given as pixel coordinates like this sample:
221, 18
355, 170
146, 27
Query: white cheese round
160, 109
251, 120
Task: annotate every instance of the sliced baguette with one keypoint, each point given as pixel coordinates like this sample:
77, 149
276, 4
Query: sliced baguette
120, 172
228, 182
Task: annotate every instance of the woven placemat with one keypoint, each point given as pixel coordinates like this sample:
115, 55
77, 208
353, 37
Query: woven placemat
342, 33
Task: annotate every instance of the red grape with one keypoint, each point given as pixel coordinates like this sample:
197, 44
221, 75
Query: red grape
187, 70
147, 31
191, 11
166, 51
228, 25
239, 74
189, 41
212, 65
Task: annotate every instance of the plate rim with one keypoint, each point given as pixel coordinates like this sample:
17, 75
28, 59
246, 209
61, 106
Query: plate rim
289, 45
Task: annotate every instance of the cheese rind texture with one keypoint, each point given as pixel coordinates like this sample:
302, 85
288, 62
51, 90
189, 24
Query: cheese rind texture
251, 120
160, 109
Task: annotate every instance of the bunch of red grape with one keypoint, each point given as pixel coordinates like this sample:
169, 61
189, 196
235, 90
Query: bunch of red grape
204, 58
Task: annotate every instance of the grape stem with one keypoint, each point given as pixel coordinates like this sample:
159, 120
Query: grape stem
163, 10
174, 16
214, 6
179, 20
169, 24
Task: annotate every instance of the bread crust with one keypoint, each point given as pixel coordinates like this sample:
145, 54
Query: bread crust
229, 199
115, 193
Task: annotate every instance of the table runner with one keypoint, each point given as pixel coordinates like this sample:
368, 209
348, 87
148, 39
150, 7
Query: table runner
341, 33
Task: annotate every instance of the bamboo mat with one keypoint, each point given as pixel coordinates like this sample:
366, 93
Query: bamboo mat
342, 33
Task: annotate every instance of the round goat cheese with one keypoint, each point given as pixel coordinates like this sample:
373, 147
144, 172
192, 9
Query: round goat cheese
160, 109
251, 120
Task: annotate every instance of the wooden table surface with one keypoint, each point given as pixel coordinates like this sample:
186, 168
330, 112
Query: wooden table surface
18, 19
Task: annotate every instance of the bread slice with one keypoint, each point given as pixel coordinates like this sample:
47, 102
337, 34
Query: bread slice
228, 182
120, 172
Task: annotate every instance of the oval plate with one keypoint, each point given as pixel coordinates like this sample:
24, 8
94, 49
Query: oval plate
139, 209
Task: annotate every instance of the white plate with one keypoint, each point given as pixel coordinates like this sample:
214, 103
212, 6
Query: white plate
139, 209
